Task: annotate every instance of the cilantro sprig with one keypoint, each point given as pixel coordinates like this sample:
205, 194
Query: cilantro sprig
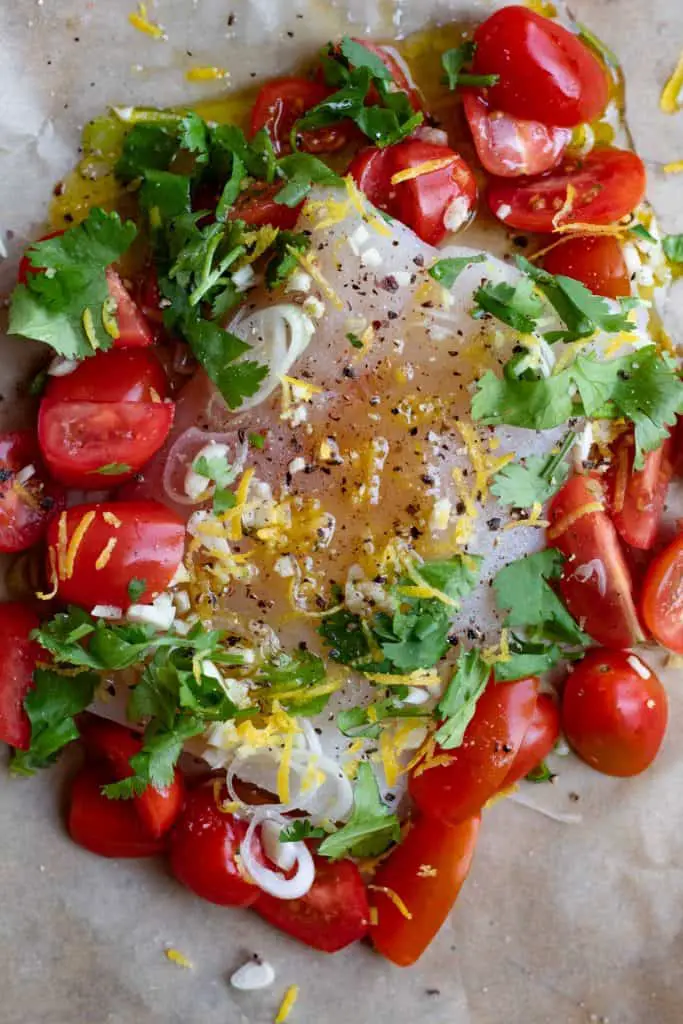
301, 829
364, 722
673, 248
52, 705
453, 61
459, 702
535, 480
372, 827
447, 270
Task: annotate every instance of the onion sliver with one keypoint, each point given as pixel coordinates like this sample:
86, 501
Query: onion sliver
327, 798
273, 882
278, 336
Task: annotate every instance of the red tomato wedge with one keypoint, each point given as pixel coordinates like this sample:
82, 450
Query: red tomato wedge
333, 913
256, 206
17, 661
596, 582
508, 146
597, 262
115, 745
120, 375
282, 102
539, 739
426, 873
458, 790
433, 202
637, 496
145, 541
545, 72
600, 188
110, 828
204, 846
134, 331
27, 503
662, 599
96, 445
614, 712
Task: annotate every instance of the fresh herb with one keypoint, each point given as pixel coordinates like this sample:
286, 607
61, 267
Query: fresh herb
296, 680
364, 721
256, 440
136, 588
155, 764
344, 634
640, 231
673, 248
63, 302
52, 705
453, 61
536, 480
216, 468
354, 340
541, 773
165, 195
609, 56
113, 469
302, 171
540, 610
284, 260
458, 704
530, 658
218, 351
447, 271
515, 305
38, 384
301, 829
372, 827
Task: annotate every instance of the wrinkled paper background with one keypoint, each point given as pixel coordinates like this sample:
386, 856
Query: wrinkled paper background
559, 923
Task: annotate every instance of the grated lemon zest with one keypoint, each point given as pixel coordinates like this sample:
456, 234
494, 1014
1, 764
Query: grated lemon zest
176, 957
675, 167
532, 520
420, 677
566, 207
139, 20
502, 794
106, 553
563, 524
359, 203
111, 519
311, 268
394, 898
206, 74
439, 761
287, 1004
672, 93
425, 168
374, 917
499, 653
75, 543
283, 769
333, 212
53, 577
387, 753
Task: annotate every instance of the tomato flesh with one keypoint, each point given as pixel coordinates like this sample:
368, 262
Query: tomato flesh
612, 717
608, 184
539, 740
25, 507
17, 661
509, 146
281, 103
110, 828
598, 262
458, 790
596, 582
256, 206
545, 72
134, 331
119, 375
203, 849
637, 496
426, 871
150, 541
662, 598
333, 913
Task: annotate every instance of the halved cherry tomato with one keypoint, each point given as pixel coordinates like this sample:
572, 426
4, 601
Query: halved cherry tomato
545, 72
114, 744
145, 540
120, 375
596, 582
283, 101
256, 206
607, 185
333, 913
456, 791
110, 828
426, 872
434, 202
18, 658
597, 262
204, 846
614, 715
637, 496
539, 740
508, 146
96, 445
662, 600
26, 506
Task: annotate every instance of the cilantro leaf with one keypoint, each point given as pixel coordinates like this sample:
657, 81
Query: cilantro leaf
453, 61
296, 679
301, 829
459, 702
147, 147
673, 248
364, 721
447, 271
284, 261
136, 588
216, 468
528, 658
155, 764
540, 608
113, 469
52, 705
256, 440
640, 231
536, 480
514, 305
360, 56
343, 633
541, 773
62, 304
538, 405
217, 350
354, 340
301, 172
165, 193
372, 827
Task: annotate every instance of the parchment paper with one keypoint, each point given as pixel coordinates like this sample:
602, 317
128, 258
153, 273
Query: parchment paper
559, 923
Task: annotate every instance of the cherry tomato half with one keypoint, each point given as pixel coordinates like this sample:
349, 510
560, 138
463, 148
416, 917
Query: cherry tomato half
597, 262
333, 913
204, 846
116, 542
283, 101
119, 375
662, 600
110, 828
637, 496
545, 73
256, 206
434, 202
426, 872
596, 582
456, 791
607, 185
113, 744
18, 656
614, 714
26, 505
539, 739
507, 146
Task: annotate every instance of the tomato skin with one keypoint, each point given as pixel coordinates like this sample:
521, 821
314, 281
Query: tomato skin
134, 331
609, 184
283, 101
17, 662
119, 375
333, 913
613, 718
539, 739
203, 846
109, 828
662, 597
597, 262
509, 146
113, 744
23, 522
600, 596
637, 496
422, 203
149, 546
400, 72
456, 791
256, 206
429, 898
546, 73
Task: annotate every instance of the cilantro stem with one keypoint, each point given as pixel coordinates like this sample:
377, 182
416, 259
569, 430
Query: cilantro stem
555, 460
147, 115
213, 277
